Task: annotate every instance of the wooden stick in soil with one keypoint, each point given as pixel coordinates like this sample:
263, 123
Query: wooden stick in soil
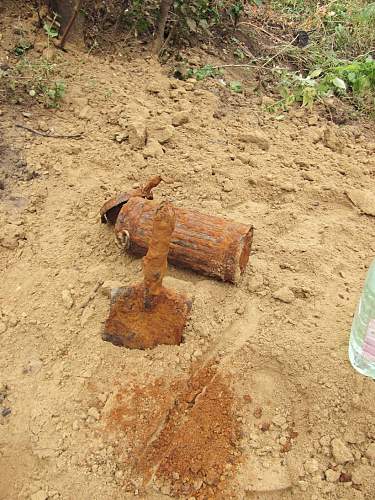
61, 43
165, 5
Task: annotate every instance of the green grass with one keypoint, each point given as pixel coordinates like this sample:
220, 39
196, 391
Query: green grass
337, 61
38, 79
354, 81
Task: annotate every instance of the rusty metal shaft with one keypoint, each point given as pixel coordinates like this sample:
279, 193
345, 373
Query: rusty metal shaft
155, 263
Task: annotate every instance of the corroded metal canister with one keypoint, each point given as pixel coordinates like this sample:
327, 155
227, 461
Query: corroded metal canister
210, 245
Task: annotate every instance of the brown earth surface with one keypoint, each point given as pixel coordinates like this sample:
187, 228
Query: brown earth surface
260, 400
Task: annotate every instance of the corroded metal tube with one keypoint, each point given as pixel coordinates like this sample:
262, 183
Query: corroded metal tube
210, 245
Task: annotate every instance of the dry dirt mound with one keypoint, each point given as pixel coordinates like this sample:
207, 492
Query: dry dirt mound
260, 401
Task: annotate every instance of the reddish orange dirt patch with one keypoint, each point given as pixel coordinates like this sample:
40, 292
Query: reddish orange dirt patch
186, 434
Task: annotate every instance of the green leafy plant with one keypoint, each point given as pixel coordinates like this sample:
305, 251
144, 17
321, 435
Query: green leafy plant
206, 15
354, 80
335, 61
239, 54
54, 93
207, 71
51, 31
22, 47
36, 78
194, 17
347, 26
236, 87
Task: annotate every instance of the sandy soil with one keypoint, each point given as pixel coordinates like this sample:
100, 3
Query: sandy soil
260, 401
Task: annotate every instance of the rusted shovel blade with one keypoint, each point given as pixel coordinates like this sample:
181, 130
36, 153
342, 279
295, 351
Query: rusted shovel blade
134, 324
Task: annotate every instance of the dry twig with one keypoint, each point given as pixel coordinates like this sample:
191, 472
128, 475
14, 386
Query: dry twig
53, 136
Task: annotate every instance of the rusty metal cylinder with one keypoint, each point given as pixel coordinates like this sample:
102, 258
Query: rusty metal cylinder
210, 245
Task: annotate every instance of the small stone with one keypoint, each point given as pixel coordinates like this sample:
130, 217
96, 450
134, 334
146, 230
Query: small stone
332, 475
341, 452
311, 466
75, 425
153, 149
160, 131
26, 114
137, 134
86, 315
279, 420
10, 236
155, 87
189, 86
228, 186
121, 137
180, 118
308, 176
3, 327
257, 138
67, 299
110, 285
138, 160
94, 413
363, 199
303, 485
289, 188
39, 495
184, 105
264, 426
75, 150
245, 158
370, 452
240, 310
13, 321
42, 125
284, 294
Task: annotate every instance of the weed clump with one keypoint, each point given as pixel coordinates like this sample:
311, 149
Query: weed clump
37, 79
339, 60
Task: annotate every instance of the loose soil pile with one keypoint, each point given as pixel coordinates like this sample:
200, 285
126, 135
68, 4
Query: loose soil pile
260, 400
